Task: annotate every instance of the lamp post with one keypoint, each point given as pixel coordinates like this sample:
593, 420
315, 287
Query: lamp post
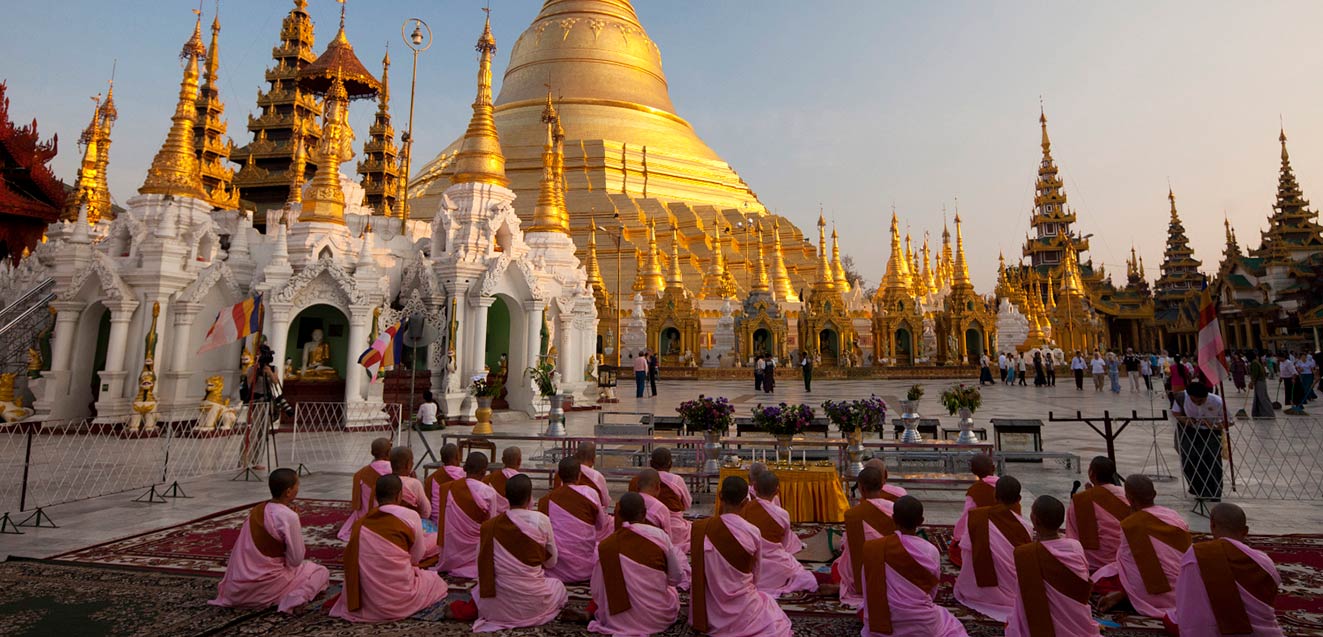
418, 40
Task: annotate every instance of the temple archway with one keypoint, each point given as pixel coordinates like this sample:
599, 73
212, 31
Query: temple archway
904, 347
92, 341
498, 334
973, 343
669, 342
318, 362
829, 346
762, 342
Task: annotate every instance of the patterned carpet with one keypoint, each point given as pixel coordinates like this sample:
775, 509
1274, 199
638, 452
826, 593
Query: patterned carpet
200, 547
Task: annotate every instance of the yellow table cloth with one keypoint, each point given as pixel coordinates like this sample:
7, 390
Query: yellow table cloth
812, 494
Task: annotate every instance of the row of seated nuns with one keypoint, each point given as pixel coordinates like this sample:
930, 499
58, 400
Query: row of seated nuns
1036, 574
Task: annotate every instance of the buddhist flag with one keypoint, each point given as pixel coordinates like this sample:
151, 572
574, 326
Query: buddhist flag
1212, 351
375, 358
234, 323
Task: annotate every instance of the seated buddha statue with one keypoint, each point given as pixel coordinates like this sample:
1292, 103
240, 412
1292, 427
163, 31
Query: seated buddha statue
317, 359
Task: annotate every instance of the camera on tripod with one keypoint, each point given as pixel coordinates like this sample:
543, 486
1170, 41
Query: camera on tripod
266, 371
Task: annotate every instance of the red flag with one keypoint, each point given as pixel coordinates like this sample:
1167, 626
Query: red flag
1212, 351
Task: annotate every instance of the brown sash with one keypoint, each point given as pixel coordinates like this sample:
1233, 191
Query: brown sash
980, 541
573, 502
1141, 528
629, 544
389, 527
667, 496
730, 549
879, 554
1086, 517
1222, 565
365, 477
757, 515
440, 476
464, 498
266, 543
1036, 569
503, 530
854, 531
497, 480
982, 493
888, 496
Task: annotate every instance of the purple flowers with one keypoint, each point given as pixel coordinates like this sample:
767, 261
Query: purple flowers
706, 414
783, 419
862, 414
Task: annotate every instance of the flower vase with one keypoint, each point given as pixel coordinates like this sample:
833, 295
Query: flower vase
484, 416
712, 452
967, 435
910, 418
555, 417
783, 446
854, 452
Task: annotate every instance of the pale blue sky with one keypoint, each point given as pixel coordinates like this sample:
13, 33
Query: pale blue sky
852, 104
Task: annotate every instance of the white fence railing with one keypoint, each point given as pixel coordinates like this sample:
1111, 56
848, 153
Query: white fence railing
1271, 459
337, 436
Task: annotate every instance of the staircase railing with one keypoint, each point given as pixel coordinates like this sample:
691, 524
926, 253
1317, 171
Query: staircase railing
20, 322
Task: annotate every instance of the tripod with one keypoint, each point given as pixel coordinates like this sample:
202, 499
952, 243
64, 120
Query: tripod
260, 427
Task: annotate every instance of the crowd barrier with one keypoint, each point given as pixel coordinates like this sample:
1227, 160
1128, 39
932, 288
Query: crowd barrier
1268, 459
336, 436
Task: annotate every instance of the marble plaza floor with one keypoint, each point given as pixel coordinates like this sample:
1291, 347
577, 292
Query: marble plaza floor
109, 517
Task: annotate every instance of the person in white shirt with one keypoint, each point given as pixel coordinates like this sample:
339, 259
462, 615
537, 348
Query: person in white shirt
1200, 417
1001, 365
1290, 379
1098, 367
1307, 368
1077, 368
1023, 367
1146, 370
427, 412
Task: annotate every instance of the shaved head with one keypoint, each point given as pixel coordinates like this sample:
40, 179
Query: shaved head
586, 453
518, 491
631, 508
661, 459
1008, 490
880, 465
280, 481
908, 513
734, 491
1048, 513
869, 482
649, 482
380, 448
1139, 490
568, 470
982, 465
401, 461
450, 454
1228, 520
1102, 470
512, 457
755, 469
475, 466
388, 489
766, 484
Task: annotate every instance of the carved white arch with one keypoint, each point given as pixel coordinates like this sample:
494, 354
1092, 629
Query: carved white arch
218, 273
102, 267
322, 283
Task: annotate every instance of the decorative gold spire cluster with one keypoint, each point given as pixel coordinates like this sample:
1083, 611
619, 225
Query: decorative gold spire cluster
719, 282
174, 170
783, 289
326, 201
837, 268
653, 281
549, 215
895, 285
960, 274
92, 188
213, 147
929, 283
299, 164
479, 159
674, 278
382, 164
594, 269
825, 280
760, 281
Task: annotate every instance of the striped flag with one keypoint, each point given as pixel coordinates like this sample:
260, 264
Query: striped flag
381, 354
1212, 351
234, 323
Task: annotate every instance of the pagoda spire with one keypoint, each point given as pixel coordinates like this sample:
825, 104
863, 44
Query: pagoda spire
895, 283
381, 167
960, 275
299, 164
1293, 230
944, 271
675, 278
825, 279
91, 188
928, 282
653, 281
783, 289
174, 170
593, 268
719, 283
327, 201
837, 268
548, 216
213, 147
1051, 295
479, 159
1051, 217
1232, 248
1180, 270
760, 280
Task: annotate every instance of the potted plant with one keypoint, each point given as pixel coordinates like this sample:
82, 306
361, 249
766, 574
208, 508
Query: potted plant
965, 400
484, 388
713, 417
853, 418
543, 376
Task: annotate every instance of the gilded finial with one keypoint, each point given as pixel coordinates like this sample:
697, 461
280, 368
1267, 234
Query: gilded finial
961, 269
174, 170
547, 214
479, 159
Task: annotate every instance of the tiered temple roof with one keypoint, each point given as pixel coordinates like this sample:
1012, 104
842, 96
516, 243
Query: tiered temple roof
213, 147
1293, 229
30, 195
1180, 278
381, 168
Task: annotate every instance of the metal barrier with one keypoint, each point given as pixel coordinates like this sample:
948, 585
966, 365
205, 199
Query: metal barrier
336, 436
1272, 459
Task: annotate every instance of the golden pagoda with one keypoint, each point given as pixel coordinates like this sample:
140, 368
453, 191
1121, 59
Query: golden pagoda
837, 268
480, 158
782, 287
91, 187
897, 316
213, 147
174, 170
967, 317
719, 282
326, 200
653, 280
548, 216
673, 321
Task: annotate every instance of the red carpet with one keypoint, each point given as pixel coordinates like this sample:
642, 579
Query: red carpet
202, 546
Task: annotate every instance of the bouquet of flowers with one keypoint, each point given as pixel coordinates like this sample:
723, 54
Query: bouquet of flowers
485, 386
707, 414
783, 419
962, 396
863, 414
915, 392
543, 376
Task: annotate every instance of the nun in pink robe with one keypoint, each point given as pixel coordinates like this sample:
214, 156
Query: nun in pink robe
599, 483
363, 500
851, 593
525, 595
390, 585
433, 488
1194, 613
734, 605
459, 546
1068, 616
958, 532
1108, 523
679, 525
576, 538
254, 579
413, 496
779, 573
913, 611
997, 601
1127, 569
654, 602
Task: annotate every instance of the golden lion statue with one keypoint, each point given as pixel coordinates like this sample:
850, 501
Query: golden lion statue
215, 409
